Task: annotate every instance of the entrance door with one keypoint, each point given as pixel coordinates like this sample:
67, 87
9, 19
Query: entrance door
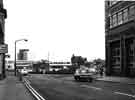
129, 56
115, 58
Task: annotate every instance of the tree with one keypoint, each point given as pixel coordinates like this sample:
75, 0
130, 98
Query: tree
78, 60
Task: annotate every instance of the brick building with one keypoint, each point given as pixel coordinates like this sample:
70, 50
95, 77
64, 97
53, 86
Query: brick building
120, 38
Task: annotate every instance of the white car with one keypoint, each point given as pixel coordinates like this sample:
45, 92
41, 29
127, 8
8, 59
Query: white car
85, 74
24, 71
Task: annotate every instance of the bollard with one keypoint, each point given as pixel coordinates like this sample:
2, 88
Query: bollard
20, 77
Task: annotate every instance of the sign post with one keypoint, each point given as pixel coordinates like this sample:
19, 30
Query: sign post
3, 50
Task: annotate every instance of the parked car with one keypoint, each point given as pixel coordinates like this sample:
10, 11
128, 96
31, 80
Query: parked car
84, 73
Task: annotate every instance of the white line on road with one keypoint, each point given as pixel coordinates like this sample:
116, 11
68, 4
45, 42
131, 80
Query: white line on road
33, 91
133, 96
96, 88
28, 81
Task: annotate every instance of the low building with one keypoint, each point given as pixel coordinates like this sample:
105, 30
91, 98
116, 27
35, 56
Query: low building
19, 64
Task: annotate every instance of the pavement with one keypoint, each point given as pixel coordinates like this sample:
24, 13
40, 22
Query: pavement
13, 89
116, 79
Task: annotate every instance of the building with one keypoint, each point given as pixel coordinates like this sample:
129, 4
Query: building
20, 64
3, 15
23, 54
56, 66
120, 38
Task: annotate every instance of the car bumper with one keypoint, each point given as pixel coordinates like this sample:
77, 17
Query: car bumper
24, 73
84, 76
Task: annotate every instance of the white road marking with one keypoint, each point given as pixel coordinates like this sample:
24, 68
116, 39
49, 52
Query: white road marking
92, 87
28, 81
33, 91
133, 96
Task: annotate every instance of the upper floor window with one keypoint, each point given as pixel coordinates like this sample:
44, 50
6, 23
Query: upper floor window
111, 23
122, 16
115, 20
120, 20
125, 15
131, 12
112, 2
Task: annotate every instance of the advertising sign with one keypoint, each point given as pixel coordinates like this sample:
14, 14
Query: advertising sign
4, 48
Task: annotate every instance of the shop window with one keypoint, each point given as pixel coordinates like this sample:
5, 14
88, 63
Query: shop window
125, 15
120, 18
115, 20
118, 52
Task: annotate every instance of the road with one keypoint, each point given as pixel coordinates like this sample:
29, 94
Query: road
64, 87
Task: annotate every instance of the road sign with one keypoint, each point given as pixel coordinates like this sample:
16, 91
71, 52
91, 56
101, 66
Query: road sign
4, 48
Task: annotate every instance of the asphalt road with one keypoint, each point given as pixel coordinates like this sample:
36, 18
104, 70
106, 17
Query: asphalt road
64, 87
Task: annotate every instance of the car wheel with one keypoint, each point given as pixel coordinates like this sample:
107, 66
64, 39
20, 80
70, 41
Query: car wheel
76, 78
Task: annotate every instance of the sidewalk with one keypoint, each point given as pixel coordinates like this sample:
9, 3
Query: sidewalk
116, 79
12, 89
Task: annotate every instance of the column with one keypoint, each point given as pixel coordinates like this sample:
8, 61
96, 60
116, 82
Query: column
108, 59
123, 61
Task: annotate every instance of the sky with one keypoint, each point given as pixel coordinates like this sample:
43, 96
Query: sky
56, 29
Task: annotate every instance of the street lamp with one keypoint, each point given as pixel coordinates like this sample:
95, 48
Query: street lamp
15, 52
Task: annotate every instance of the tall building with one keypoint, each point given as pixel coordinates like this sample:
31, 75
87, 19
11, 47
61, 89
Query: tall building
3, 15
23, 54
120, 38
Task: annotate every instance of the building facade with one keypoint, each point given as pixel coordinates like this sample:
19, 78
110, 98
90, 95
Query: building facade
3, 15
23, 54
120, 38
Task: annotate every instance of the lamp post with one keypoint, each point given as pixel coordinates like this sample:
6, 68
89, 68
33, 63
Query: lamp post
15, 52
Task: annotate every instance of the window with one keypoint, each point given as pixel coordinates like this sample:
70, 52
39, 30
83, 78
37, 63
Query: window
120, 18
125, 15
110, 3
115, 20
111, 22
131, 12
113, 2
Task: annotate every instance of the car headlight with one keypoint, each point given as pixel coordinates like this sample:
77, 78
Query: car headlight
77, 72
83, 71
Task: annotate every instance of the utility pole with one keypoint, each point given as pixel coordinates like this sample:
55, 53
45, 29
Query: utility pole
15, 68
48, 57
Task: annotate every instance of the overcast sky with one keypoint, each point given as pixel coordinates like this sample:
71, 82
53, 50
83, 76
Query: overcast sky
58, 27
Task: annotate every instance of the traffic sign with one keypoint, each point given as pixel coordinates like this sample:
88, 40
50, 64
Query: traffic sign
4, 48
